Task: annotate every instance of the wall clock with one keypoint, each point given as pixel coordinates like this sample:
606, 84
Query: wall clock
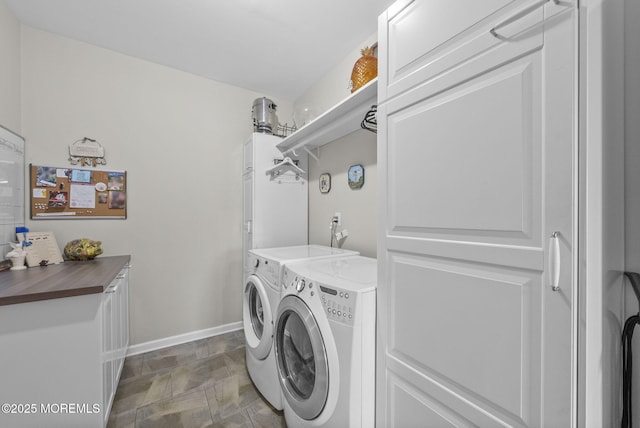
325, 182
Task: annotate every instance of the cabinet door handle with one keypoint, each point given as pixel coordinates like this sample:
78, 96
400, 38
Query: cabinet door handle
554, 261
524, 12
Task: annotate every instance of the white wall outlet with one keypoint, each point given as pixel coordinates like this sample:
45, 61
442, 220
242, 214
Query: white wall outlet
339, 217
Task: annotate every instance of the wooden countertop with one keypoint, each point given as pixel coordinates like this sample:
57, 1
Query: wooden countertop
71, 278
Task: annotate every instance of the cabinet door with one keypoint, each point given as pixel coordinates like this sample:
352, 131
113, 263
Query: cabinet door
122, 316
247, 155
247, 216
247, 199
478, 173
425, 38
108, 365
115, 310
125, 312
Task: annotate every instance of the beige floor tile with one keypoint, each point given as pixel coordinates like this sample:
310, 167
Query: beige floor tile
237, 420
198, 373
126, 419
141, 391
132, 367
189, 410
225, 343
235, 360
229, 396
264, 416
174, 356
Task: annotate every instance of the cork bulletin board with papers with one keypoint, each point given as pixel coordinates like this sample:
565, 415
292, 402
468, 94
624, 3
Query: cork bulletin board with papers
72, 193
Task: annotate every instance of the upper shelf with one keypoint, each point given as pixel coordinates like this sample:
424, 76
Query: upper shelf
340, 120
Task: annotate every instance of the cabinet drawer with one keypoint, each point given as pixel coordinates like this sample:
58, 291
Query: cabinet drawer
421, 39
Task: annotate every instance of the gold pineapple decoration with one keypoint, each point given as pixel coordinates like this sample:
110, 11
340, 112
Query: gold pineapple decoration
365, 69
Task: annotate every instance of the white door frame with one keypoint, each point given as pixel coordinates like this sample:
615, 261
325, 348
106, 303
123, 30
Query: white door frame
601, 211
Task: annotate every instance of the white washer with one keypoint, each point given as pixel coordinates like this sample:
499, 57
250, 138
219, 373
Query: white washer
262, 293
325, 343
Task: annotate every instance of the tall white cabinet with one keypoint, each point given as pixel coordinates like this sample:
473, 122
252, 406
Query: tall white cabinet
480, 243
275, 207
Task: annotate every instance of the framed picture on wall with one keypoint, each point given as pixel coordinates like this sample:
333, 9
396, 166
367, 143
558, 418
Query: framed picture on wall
325, 182
356, 176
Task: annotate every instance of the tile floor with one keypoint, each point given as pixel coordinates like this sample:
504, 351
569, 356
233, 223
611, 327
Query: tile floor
200, 384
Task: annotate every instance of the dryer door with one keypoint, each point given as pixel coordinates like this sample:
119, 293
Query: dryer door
257, 317
302, 358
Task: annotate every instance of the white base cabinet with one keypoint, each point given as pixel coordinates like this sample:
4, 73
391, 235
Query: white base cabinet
61, 359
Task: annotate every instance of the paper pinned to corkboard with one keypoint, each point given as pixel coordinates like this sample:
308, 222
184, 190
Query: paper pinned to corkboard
43, 249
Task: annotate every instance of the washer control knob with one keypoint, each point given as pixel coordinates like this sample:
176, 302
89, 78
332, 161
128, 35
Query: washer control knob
300, 285
256, 263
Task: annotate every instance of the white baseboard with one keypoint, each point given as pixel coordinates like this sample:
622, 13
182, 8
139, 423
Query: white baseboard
152, 345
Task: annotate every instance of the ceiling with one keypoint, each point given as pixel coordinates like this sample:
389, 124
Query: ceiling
275, 47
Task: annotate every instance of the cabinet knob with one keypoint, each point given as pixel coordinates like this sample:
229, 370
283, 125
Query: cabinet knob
111, 289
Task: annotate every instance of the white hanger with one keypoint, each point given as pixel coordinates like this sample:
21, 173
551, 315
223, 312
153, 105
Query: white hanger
286, 163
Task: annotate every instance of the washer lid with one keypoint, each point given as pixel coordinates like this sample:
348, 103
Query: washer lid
300, 252
354, 273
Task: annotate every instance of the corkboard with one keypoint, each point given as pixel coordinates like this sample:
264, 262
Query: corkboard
73, 193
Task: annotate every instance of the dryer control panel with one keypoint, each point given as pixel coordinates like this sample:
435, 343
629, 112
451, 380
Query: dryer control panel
339, 305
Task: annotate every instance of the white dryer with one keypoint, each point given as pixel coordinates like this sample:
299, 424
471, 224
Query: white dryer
325, 343
262, 293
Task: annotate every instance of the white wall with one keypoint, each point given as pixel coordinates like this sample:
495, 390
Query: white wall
358, 207
9, 69
333, 87
632, 173
180, 139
